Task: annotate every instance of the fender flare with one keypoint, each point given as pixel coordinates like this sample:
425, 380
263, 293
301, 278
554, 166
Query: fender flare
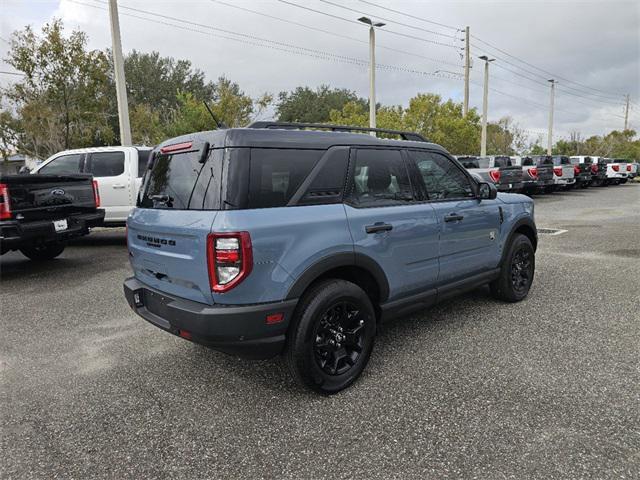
346, 259
526, 221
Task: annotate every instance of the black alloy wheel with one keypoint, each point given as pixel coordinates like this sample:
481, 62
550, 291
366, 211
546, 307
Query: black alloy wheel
521, 270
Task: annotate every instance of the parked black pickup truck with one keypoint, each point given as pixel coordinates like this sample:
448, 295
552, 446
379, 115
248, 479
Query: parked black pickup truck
39, 213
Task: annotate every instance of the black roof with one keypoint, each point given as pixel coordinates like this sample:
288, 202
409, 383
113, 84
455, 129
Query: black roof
287, 138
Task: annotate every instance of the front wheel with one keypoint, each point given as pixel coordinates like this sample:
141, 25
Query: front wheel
332, 336
42, 253
516, 271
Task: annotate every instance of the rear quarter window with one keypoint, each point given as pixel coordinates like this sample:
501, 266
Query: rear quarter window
276, 174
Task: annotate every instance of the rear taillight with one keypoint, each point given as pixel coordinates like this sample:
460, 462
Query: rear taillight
594, 168
616, 168
96, 193
629, 168
533, 173
576, 169
495, 175
557, 171
229, 258
5, 206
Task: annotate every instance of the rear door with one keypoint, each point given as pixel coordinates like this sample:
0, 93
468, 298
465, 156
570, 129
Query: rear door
167, 236
110, 170
389, 224
469, 228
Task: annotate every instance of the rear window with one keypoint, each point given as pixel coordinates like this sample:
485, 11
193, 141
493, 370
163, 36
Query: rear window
469, 162
275, 174
544, 160
561, 161
500, 162
527, 161
179, 181
106, 164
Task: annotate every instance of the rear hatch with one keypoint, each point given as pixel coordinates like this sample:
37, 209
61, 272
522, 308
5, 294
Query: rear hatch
509, 174
48, 197
167, 233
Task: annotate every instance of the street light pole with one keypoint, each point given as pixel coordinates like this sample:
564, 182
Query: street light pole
485, 102
467, 66
550, 134
118, 67
372, 70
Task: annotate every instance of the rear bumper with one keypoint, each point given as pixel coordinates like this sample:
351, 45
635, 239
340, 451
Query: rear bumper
15, 234
564, 181
234, 329
509, 187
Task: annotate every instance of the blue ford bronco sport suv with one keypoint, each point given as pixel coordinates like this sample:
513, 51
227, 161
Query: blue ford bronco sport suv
277, 239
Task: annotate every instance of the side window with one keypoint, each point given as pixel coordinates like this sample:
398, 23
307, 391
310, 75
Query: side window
143, 161
276, 174
380, 178
106, 164
64, 164
442, 178
326, 181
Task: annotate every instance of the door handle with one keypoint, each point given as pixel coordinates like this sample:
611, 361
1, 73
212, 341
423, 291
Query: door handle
453, 217
378, 227
118, 186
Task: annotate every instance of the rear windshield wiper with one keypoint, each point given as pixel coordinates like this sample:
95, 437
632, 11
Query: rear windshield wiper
163, 199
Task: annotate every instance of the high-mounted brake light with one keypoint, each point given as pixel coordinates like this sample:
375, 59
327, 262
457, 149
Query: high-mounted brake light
495, 175
533, 172
229, 258
616, 168
5, 206
176, 147
557, 171
594, 168
96, 193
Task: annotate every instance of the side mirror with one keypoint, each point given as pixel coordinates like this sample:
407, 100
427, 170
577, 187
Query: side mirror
487, 191
24, 170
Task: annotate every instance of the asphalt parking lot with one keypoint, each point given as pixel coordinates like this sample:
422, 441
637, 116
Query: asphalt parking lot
473, 388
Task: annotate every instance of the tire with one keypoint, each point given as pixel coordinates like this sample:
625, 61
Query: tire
516, 272
43, 253
327, 350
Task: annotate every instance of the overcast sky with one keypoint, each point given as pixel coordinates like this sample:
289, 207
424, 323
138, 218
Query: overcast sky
595, 43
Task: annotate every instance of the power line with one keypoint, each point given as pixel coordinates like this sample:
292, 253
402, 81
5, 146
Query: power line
338, 35
411, 16
360, 12
12, 73
542, 70
387, 30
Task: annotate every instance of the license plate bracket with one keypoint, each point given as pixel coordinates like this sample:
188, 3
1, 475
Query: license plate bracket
60, 225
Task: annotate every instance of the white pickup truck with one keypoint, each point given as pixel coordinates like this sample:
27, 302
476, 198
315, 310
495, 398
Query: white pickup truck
616, 171
117, 170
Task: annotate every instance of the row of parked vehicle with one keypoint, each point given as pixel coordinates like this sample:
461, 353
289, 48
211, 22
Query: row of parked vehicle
548, 173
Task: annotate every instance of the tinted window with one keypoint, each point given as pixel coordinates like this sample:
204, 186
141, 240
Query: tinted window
106, 164
63, 164
327, 179
527, 161
500, 162
276, 174
468, 163
143, 161
442, 178
179, 181
543, 160
379, 178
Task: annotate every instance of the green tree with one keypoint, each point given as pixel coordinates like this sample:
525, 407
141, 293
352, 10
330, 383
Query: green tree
314, 106
62, 101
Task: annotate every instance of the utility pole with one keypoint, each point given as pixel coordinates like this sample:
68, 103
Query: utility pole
485, 105
467, 66
118, 66
626, 114
550, 134
372, 70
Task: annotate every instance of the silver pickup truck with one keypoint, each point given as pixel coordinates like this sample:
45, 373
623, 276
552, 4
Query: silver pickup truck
536, 176
496, 169
563, 171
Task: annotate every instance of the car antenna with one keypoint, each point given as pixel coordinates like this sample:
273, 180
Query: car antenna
218, 123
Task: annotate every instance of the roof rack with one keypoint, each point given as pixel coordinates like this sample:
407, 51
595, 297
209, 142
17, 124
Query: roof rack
416, 137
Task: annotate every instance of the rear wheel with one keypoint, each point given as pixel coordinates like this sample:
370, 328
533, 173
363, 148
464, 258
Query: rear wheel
43, 252
516, 272
332, 337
